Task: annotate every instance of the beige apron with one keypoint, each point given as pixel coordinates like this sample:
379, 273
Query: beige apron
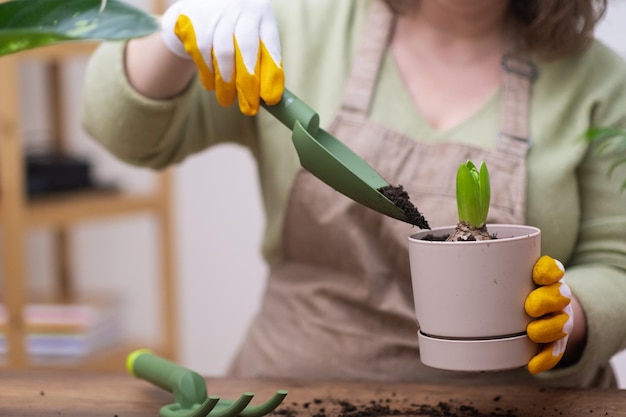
339, 304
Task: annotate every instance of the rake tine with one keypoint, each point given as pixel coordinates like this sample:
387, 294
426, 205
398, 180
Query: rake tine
206, 407
230, 408
265, 408
176, 410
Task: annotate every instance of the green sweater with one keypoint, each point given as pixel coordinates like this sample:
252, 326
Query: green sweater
580, 210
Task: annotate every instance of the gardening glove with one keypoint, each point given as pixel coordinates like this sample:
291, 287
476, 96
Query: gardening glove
235, 45
550, 305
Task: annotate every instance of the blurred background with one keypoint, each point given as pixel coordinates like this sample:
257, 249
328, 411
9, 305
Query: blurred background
218, 271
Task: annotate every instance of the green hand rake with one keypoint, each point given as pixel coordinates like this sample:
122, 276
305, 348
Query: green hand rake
189, 389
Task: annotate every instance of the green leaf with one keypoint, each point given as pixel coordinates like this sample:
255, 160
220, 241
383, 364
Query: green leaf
601, 133
610, 140
465, 195
473, 193
485, 192
27, 24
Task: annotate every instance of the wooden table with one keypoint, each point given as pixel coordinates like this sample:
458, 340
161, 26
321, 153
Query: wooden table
80, 394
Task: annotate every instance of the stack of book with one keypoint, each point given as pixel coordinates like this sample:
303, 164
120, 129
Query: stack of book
3, 333
67, 332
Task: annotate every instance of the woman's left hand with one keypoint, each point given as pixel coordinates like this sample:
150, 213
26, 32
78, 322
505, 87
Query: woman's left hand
550, 305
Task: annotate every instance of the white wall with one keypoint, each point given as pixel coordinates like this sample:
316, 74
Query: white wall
218, 230
220, 224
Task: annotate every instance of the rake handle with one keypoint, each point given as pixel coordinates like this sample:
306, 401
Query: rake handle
188, 387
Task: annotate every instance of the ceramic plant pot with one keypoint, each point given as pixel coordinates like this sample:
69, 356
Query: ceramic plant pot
469, 298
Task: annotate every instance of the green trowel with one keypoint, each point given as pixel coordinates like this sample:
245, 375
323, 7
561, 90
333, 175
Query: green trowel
338, 166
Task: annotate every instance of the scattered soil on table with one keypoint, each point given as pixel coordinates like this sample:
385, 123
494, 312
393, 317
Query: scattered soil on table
333, 407
400, 198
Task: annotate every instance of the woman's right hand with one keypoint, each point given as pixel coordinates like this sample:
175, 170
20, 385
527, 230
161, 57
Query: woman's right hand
235, 45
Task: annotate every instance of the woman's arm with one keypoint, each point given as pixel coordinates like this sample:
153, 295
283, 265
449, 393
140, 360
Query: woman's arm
154, 71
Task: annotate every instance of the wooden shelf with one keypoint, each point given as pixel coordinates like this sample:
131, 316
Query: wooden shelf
18, 215
66, 209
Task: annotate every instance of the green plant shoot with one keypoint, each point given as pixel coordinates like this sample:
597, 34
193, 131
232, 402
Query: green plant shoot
613, 140
473, 194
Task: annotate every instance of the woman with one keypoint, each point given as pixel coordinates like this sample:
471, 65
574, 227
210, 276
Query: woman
414, 87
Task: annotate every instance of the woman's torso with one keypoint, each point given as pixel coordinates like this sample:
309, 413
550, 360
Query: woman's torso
317, 73
338, 301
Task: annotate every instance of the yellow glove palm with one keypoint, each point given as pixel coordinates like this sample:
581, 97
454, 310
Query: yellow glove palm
550, 304
235, 45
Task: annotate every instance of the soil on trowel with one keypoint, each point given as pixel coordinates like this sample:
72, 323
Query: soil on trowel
384, 407
400, 198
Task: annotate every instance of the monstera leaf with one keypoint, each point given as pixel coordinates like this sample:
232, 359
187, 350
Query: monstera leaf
27, 24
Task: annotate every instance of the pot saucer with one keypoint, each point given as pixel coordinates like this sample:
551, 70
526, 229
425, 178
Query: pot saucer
476, 355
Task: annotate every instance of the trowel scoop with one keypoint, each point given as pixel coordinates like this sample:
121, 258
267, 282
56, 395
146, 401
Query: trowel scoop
338, 166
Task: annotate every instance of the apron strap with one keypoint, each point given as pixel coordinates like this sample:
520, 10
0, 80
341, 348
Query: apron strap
361, 84
517, 78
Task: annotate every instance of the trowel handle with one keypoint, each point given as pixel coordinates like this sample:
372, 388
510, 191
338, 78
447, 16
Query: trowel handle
291, 109
188, 386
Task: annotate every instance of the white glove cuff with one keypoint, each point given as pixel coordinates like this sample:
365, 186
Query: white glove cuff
171, 41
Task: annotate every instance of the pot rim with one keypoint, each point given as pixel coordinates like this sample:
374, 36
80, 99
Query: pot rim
525, 231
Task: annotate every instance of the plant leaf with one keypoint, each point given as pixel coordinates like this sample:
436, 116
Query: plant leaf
485, 192
473, 194
615, 164
26, 24
596, 133
610, 140
468, 195
601, 133
463, 187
